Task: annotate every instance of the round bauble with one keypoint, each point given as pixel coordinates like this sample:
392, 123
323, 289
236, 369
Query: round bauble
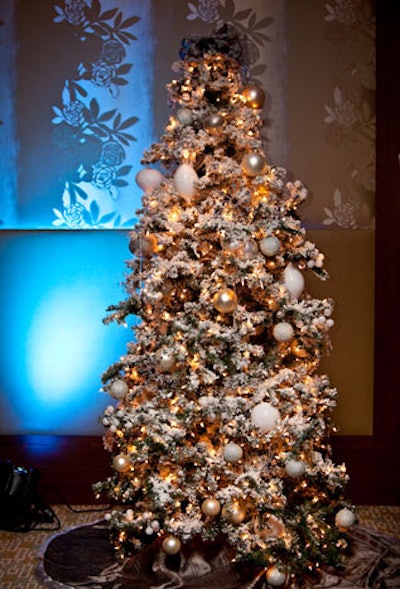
231, 246
254, 95
294, 281
253, 164
213, 123
249, 250
121, 463
270, 245
144, 246
148, 179
225, 300
211, 507
171, 545
345, 518
185, 179
283, 331
295, 468
275, 577
264, 416
184, 116
233, 452
234, 513
165, 360
118, 389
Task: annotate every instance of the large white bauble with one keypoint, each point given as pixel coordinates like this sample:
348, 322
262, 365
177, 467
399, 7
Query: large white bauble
148, 179
185, 179
295, 468
233, 452
184, 116
294, 281
270, 245
345, 518
275, 577
283, 331
264, 416
118, 389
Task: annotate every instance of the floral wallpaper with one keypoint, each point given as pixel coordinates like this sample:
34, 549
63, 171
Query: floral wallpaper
84, 96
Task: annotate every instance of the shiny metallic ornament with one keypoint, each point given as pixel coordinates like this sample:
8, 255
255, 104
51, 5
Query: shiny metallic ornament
165, 360
122, 463
275, 577
270, 246
254, 95
249, 250
144, 246
213, 123
211, 507
118, 389
225, 300
253, 164
234, 513
171, 545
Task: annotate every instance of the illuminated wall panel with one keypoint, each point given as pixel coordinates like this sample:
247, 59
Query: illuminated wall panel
54, 346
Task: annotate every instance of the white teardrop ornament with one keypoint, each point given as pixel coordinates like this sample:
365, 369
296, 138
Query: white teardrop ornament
148, 179
185, 179
294, 281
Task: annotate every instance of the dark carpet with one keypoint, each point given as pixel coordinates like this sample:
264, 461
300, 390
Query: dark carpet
83, 557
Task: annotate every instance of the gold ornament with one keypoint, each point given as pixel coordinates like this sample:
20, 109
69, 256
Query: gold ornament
298, 349
171, 545
225, 300
165, 360
211, 506
234, 513
144, 246
121, 463
213, 123
253, 163
254, 95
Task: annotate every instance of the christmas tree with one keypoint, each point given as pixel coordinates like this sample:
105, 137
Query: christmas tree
222, 421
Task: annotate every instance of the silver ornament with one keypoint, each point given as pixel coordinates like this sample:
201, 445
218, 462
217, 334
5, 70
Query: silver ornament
118, 389
270, 245
254, 95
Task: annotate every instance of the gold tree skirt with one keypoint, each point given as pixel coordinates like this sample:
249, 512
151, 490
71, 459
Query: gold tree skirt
83, 557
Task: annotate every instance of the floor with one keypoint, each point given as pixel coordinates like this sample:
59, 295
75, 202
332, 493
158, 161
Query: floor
19, 551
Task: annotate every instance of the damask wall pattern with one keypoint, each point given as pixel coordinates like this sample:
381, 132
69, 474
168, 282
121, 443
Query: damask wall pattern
83, 97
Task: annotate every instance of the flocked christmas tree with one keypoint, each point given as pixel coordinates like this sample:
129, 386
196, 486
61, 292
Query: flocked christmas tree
222, 421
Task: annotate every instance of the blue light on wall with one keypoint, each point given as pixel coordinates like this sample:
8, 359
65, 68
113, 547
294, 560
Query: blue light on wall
54, 346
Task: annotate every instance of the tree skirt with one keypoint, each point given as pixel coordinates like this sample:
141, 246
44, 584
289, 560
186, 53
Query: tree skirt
83, 557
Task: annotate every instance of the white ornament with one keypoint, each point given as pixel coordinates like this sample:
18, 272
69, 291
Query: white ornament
149, 531
118, 389
295, 468
294, 281
270, 245
264, 416
283, 331
148, 179
185, 179
345, 518
233, 452
184, 116
275, 577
